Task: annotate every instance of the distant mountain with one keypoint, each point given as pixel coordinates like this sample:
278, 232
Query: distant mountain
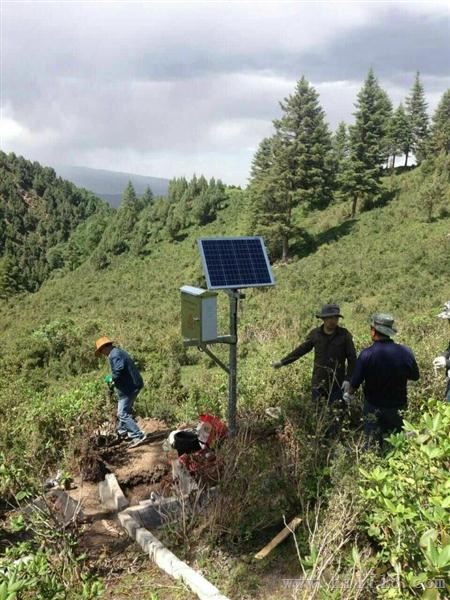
110, 185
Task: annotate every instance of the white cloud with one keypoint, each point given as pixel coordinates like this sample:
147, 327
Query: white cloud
10, 131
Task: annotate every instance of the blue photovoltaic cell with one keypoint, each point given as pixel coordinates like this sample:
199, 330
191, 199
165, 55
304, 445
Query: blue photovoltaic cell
235, 262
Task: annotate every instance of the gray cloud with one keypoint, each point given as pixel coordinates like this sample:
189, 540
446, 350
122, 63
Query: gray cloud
162, 89
395, 48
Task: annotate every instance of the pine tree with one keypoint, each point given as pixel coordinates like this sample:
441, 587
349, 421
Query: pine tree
120, 230
369, 147
440, 128
177, 188
263, 159
306, 143
129, 197
203, 207
11, 276
416, 108
399, 134
341, 148
272, 199
434, 191
218, 194
292, 168
340, 143
147, 197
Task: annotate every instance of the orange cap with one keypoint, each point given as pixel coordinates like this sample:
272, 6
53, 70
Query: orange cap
103, 341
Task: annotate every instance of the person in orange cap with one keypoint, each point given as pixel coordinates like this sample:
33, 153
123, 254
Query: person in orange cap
127, 382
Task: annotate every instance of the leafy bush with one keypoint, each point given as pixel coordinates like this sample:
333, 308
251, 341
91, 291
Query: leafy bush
408, 501
12, 478
47, 566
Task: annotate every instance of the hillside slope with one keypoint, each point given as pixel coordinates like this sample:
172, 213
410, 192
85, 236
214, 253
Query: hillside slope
38, 213
391, 258
109, 185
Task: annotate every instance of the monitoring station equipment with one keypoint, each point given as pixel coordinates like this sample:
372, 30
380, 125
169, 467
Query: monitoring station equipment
229, 264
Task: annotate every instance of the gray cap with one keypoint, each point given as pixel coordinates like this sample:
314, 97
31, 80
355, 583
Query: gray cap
329, 310
383, 323
445, 314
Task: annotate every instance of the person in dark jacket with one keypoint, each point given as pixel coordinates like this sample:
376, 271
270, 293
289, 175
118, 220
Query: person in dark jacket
384, 369
127, 382
443, 360
334, 355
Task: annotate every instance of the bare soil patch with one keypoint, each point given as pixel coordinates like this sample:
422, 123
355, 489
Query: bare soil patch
139, 471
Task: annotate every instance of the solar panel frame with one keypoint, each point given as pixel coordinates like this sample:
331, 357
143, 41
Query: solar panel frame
247, 263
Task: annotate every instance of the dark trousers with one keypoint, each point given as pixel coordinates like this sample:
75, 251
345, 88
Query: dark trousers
380, 422
333, 397
335, 404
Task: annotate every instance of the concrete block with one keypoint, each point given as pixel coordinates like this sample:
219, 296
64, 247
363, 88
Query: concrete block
64, 507
111, 495
151, 514
128, 523
144, 538
164, 558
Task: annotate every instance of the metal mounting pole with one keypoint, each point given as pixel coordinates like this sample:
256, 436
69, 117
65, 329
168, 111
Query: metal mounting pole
231, 339
234, 296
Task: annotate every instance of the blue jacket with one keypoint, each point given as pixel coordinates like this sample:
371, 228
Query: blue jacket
126, 377
385, 368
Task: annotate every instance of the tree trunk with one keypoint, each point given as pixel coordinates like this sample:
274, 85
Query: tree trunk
406, 159
285, 249
393, 161
354, 201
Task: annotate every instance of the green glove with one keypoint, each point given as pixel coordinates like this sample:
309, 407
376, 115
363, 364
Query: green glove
108, 380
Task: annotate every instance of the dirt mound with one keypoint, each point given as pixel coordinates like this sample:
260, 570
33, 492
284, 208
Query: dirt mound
139, 471
101, 449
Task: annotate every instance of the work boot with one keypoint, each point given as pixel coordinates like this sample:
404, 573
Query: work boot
138, 441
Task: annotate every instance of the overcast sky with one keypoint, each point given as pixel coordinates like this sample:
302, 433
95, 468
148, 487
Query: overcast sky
172, 88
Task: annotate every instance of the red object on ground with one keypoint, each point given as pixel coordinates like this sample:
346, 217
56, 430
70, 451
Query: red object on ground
203, 465
218, 429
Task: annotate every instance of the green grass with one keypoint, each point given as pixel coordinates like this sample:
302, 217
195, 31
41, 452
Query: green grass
390, 258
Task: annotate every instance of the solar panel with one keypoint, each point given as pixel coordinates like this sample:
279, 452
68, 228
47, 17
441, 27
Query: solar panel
235, 262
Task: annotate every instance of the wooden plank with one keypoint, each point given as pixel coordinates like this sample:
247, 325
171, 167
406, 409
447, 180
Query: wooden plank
284, 533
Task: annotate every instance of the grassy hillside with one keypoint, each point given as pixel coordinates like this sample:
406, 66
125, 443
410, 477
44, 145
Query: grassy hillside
390, 258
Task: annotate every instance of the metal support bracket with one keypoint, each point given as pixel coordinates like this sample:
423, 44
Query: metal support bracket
221, 339
204, 348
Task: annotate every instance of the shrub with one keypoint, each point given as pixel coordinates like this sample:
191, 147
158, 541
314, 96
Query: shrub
408, 501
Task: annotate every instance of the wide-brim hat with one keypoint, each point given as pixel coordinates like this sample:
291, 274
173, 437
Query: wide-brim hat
383, 323
445, 314
329, 310
101, 343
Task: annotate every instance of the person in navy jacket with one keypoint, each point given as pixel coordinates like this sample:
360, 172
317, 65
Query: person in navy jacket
384, 370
